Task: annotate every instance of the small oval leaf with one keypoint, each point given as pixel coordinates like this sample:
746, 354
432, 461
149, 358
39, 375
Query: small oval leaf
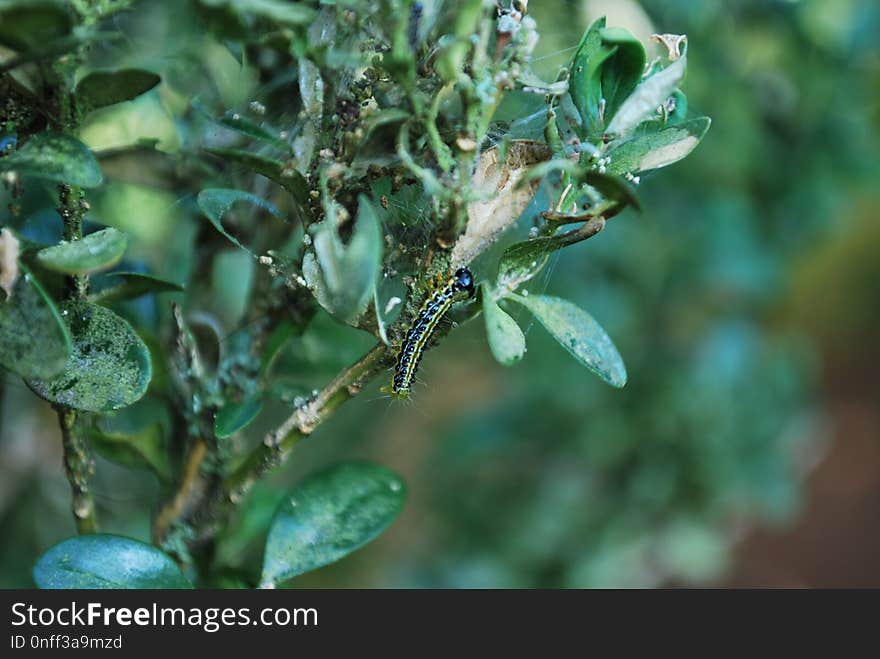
144, 448
55, 157
328, 516
109, 367
659, 148
245, 126
343, 276
97, 251
103, 561
522, 261
34, 342
579, 333
605, 69
283, 173
232, 417
33, 24
102, 88
132, 285
647, 97
216, 202
506, 340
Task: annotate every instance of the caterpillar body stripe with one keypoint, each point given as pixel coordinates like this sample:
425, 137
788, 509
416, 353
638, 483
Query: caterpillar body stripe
459, 286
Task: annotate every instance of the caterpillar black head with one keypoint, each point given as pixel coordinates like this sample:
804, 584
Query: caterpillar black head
463, 282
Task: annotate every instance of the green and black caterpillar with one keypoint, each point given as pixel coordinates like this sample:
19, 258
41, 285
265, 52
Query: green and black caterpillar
460, 286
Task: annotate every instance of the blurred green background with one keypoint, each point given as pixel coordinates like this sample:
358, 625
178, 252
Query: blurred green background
745, 449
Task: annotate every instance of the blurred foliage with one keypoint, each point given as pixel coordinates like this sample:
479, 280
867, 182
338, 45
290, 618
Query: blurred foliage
538, 475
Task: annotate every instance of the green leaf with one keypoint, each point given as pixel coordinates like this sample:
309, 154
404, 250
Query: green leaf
283, 173
55, 157
142, 449
216, 202
232, 417
606, 66
579, 333
103, 561
32, 24
658, 147
97, 251
133, 284
584, 83
276, 11
622, 70
647, 97
102, 88
522, 261
109, 367
34, 342
252, 129
614, 188
506, 340
328, 516
343, 276
276, 342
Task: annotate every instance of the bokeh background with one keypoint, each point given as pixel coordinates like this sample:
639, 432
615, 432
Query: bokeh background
745, 449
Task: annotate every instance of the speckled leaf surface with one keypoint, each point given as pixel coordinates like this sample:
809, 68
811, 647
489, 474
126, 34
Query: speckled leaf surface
580, 334
109, 367
55, 157
658, 148
328, 516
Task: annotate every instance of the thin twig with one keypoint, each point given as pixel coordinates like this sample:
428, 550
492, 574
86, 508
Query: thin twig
176, 507
79, 467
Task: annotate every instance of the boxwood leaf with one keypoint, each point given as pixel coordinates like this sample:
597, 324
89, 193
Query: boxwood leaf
506, 340
55, 157
102, 88
234, 416
657, 147
132, 285
283, 173
34, 342
97, 251
579, 333
585, 85
276, 11
216, 202
103, 561
252, 129
32, 24
606, 67
328, 516
522, 261
614, 187
645, 99
343, 276
109, 366
622, 70
144, 448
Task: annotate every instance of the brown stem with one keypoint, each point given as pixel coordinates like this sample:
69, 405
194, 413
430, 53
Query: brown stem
79, 467
176, 507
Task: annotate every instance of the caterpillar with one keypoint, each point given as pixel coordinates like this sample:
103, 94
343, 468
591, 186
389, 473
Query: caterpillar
460, 286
